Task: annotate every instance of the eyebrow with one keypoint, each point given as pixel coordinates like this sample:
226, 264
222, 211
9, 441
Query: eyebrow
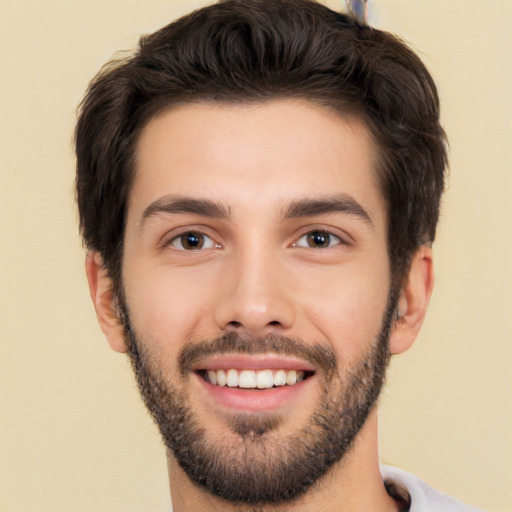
331, 204
178, 204
299, 208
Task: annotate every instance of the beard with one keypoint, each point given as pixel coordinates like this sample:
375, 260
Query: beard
253, 463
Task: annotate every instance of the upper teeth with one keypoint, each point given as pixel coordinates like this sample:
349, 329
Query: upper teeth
260, 379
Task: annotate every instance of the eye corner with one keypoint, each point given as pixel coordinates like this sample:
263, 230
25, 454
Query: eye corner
190, 241
319, 238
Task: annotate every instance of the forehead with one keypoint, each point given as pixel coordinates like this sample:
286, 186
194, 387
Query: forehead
257, 156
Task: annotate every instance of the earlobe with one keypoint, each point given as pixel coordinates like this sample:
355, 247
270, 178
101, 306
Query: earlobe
413, 301
100, 288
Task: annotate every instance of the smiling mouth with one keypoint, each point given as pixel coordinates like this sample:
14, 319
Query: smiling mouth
254, 379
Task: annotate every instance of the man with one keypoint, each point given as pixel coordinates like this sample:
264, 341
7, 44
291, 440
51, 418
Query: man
259, 188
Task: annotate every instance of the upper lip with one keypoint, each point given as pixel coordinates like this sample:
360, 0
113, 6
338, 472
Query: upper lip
253, 362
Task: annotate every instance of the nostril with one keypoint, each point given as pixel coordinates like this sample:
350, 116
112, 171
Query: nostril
238, 325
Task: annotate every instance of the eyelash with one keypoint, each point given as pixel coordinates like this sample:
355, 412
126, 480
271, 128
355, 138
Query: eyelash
202, 237
320, 233
177, 242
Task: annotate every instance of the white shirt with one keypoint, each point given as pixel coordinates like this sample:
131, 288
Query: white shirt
423, 498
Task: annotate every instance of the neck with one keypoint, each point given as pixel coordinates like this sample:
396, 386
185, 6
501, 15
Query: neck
353, 484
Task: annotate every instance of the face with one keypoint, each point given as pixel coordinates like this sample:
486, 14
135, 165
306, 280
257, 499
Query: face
256, 291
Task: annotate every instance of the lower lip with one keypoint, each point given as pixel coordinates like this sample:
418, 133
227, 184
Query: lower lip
252, 399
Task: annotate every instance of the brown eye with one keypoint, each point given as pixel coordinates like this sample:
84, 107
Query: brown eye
318, 239
192, 241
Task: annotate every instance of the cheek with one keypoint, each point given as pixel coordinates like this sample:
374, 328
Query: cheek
169, 306
347, 311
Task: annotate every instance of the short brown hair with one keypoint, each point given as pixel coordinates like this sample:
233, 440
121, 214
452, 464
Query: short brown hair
254, 51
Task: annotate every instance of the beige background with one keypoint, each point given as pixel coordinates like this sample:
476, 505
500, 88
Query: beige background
73, 433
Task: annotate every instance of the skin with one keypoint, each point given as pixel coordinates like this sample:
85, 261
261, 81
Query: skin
256, 273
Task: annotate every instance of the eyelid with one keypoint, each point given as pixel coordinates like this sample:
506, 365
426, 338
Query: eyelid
208, 242
337, 241
173, 235
343, 237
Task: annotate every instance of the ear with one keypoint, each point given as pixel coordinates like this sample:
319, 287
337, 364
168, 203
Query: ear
413, 301
100, 287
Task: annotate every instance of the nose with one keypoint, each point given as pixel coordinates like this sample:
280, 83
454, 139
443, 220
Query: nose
256, 294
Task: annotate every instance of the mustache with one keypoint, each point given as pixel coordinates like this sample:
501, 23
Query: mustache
320, 356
